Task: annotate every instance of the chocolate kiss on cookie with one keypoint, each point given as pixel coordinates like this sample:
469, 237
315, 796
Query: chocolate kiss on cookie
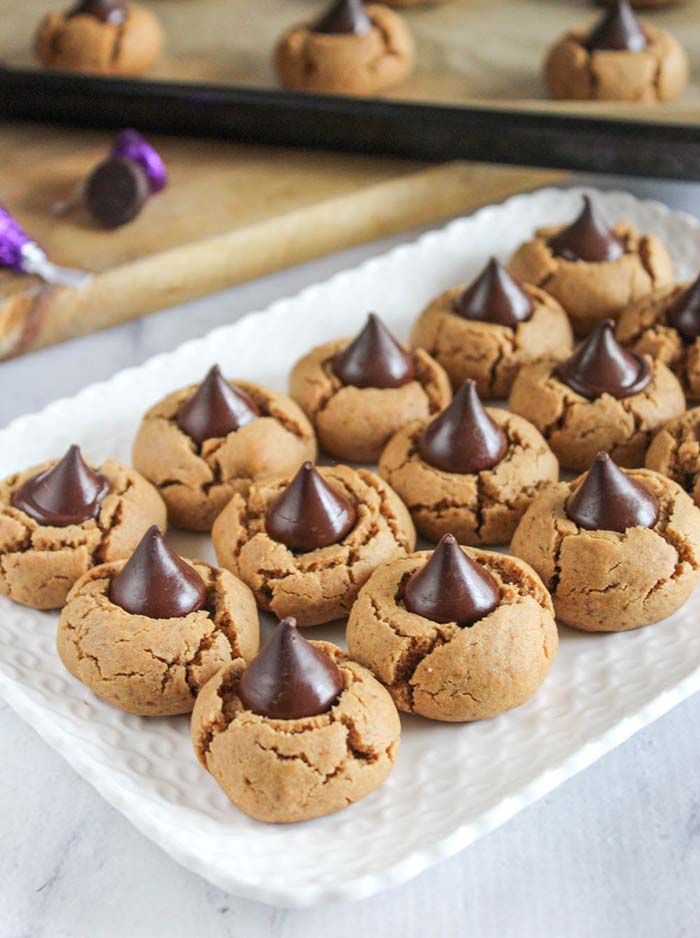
684, 313
494, 297
463, 438
215, 409
610, 500
589, 238
309, 514
107, 11
344, 17
451, 587
68, 493
157, 583
600, 365
374, 359
618, 30
290, 679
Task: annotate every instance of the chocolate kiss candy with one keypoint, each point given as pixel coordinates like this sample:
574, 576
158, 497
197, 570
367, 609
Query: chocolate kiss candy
588, 238
374, 359
494, 297
618, 30
68, 493
609, 500
116, 191
451, 587
290, 679
600, 365
309, 514
215, 409
684, 312
463, 438
156, 582
345, 16
108, 11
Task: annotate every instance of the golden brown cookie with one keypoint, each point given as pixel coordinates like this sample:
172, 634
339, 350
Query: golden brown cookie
148, 666
577, 428
85, 43
314, 586
347, 63
591, 291
607, 581
478, 507
353, 422
292, 770
39, 563
197, 480
675, 452
644, 327
491, 353
445, 672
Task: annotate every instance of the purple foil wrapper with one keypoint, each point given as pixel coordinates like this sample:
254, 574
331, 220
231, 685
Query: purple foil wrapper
12, 239
130, 145
20, 253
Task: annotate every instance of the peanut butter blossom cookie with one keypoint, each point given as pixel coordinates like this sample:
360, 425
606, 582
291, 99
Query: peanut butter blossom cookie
666, 325
305, 546
59, 519
602, 398
491, 327
619, 59
592, 269
358, 393
351, 49
617, 550
455, 634
675, 452
145, 635
470, 472
201, 444
301, 732
110, 37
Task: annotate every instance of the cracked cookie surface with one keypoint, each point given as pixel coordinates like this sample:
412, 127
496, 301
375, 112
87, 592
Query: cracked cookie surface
675, 452
644, 328
590, 292
40, 563
347, 63
196, 481
604, 581
491, 354
657, 73
315, 586
577, 429
478, 508
293, 770
449, 673
85, 44
154, 667
356, 423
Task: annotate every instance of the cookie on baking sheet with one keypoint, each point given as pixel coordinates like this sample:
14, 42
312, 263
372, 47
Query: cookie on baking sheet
358, 393
675, 452
617, 549
591, 268
455, 634
470, 472
109, 37
61, 518
203, 443
146, 633
299, 733
306, 545
601, 398
490, 328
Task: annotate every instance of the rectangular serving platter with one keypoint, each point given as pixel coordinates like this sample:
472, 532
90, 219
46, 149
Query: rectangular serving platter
452, 783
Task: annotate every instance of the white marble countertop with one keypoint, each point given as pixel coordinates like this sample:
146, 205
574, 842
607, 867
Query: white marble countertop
614, 852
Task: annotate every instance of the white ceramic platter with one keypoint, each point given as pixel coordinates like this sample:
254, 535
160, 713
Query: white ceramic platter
451, 783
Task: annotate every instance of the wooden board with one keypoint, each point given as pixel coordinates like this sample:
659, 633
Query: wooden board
469, 51
231, 213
